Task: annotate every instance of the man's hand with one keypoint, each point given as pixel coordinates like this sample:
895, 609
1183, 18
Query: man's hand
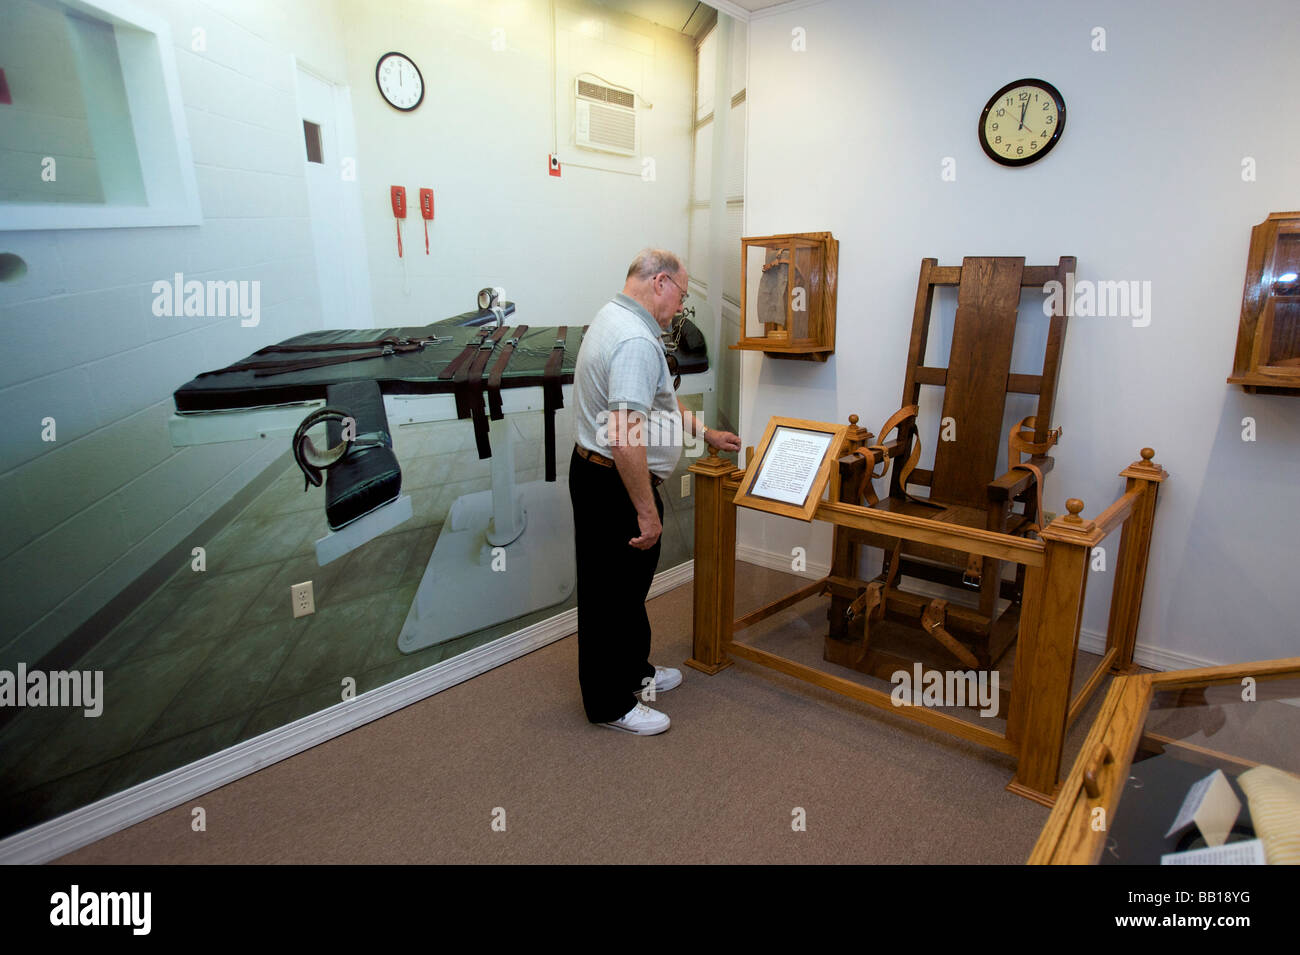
627, 447
651, 528
722, 440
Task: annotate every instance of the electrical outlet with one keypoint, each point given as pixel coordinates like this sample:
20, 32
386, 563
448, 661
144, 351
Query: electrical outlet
686, 485
303, 601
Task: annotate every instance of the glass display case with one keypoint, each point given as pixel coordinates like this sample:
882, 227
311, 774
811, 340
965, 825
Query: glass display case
1159, 735
1268, 338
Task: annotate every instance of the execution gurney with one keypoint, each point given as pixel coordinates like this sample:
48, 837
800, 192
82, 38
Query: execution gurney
428, 373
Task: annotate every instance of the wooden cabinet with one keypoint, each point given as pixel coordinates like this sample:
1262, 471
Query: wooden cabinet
1268, 339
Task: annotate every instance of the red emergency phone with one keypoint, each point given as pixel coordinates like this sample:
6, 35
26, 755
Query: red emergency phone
398, 195
426, 210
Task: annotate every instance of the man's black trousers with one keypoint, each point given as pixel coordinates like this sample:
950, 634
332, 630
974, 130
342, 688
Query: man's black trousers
613, 581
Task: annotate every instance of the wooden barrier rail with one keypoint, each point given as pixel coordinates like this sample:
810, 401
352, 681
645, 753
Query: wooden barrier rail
1056, 567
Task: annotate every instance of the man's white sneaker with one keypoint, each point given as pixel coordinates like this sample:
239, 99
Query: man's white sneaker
641, 720
665, 679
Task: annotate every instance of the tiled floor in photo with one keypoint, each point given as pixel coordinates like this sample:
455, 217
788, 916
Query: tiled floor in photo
216, 657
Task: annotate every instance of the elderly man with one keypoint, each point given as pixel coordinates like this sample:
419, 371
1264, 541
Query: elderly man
629, 427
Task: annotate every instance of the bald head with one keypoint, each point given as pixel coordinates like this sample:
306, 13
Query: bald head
657, 279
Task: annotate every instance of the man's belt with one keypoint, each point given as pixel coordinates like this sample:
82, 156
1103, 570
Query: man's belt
604, 462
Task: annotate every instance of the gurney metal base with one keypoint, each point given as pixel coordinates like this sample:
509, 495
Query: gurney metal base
467, 587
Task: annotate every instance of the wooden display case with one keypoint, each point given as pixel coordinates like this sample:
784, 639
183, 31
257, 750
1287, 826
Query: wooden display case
787, 295
1268, 339
1155, 735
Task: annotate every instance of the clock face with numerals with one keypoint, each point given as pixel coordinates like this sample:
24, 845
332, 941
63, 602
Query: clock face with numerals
399, 81
1022, 122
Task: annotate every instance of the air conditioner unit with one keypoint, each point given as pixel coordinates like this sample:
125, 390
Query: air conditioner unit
605, 117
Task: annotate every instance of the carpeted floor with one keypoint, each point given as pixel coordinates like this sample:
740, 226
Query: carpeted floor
748, 748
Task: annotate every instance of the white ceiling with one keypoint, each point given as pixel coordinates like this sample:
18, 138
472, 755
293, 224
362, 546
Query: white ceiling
683, 16
674, 14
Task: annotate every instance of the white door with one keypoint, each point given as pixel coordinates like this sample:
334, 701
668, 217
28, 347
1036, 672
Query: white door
333, 205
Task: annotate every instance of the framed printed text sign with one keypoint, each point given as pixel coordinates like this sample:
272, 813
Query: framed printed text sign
789, 472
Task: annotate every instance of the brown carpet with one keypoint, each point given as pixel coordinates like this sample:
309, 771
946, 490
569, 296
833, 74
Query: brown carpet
746, 748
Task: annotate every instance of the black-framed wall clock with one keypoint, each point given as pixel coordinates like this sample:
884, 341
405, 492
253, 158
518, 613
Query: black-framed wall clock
1022, 122
400, 81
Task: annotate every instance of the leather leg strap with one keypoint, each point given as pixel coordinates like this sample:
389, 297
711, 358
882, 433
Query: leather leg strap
932, 621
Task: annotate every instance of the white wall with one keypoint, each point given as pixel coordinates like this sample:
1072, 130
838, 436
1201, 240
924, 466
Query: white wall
480, 139
1146, 184
87, 514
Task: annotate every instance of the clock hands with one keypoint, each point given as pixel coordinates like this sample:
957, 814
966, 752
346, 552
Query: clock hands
1024, 106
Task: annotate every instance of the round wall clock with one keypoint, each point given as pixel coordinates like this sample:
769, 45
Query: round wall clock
1022, 122
399, 81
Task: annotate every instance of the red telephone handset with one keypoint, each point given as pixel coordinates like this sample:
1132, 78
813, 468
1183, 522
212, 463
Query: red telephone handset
398, 195
426, 210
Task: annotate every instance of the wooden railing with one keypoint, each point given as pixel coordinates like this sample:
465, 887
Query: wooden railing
1056, 570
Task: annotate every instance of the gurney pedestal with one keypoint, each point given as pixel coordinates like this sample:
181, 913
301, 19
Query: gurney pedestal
466, 586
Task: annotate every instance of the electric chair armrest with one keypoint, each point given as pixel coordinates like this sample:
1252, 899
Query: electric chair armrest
1016, 482
891, 448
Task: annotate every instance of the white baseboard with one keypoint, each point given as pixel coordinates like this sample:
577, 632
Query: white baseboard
782, 562
70, 832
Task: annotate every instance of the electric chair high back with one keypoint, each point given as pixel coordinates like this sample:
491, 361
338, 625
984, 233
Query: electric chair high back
963, 485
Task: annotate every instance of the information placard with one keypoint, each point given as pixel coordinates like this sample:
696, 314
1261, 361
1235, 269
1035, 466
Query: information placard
791, 468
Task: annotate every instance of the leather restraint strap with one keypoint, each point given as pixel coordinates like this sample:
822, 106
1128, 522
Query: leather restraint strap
466, 354
494, 379
1021, 441
906, 413
469, 390
782, 258
553, 395
379, 348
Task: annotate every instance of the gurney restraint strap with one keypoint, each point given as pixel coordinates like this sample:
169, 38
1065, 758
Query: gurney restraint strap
553, 395
494, 379
469, 351
379, 348
469, 389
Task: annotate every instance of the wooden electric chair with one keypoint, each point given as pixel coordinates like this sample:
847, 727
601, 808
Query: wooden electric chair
963, 486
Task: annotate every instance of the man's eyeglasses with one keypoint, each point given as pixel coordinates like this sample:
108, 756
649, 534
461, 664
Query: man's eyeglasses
685, 294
